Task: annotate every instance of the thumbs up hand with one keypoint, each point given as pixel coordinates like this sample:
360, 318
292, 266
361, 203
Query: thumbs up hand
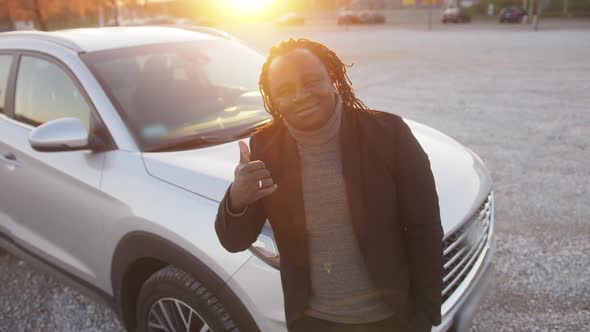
252, 181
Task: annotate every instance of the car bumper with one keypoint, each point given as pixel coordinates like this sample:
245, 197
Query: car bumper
259, 287
459, 316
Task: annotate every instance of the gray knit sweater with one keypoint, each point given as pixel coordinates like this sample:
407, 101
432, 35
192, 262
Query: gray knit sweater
341, 287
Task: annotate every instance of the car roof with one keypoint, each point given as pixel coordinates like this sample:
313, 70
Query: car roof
98, 39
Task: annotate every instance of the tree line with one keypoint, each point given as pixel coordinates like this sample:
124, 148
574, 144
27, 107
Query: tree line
59, 12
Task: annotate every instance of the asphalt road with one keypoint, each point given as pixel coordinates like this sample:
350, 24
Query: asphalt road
518, 98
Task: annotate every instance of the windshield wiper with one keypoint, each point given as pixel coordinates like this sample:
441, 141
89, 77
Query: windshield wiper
248, 130
200, 141
193, 142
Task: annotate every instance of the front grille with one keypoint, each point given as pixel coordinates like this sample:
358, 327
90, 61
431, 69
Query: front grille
464, 246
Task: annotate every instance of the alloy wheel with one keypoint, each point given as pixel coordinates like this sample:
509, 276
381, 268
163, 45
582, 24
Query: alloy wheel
173, 315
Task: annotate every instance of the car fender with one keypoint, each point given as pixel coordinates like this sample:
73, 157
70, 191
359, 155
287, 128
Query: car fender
137, 248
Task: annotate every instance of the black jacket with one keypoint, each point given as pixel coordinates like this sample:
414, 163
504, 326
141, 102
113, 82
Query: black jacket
394, 209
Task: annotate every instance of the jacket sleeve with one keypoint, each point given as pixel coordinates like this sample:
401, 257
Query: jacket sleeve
237, 232
420, 215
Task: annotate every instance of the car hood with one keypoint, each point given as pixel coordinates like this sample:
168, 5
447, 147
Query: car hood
462, 180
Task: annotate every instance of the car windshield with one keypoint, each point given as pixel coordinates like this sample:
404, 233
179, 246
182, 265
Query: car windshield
183, 95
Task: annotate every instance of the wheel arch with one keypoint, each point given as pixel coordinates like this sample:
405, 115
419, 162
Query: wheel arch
140, 254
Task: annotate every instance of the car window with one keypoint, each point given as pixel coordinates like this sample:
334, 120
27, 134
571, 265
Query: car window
5, 63
45, 92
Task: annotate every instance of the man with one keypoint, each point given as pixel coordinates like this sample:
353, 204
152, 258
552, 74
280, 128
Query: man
350, 196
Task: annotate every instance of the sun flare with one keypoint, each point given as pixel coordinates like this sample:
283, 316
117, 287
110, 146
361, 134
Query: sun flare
249, 6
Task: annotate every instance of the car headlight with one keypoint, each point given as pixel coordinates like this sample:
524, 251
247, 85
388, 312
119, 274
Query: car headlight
265, 247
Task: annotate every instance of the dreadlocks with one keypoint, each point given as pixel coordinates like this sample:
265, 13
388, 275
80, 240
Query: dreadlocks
335, 67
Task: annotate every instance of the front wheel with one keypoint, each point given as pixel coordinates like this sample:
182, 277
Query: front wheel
173, 300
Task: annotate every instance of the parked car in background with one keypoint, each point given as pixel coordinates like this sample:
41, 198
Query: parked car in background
348, 17
511, 15
455, 15
117, 146
291, 19
360, 17
162, 20
371, 17
23, 25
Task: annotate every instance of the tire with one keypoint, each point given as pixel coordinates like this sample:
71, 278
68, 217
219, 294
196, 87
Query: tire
177, 291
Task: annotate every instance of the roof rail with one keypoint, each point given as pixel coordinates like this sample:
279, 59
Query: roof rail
207, 30
47, 36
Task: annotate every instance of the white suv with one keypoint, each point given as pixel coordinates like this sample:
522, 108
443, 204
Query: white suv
116, 146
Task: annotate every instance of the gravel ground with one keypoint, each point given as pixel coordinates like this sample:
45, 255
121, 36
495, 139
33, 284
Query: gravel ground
31, 300
517, 98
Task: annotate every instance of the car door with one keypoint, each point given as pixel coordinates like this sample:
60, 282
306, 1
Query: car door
51, 198
6, 159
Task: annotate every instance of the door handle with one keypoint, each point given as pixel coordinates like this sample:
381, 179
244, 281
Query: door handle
9, 156
10, 159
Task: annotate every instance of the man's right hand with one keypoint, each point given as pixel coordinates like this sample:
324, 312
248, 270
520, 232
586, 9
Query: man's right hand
252, 181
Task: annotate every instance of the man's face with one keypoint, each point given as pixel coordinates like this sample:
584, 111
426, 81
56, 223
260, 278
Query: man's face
301, 89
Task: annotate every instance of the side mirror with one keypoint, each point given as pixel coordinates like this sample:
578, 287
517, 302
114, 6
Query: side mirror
66, 134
